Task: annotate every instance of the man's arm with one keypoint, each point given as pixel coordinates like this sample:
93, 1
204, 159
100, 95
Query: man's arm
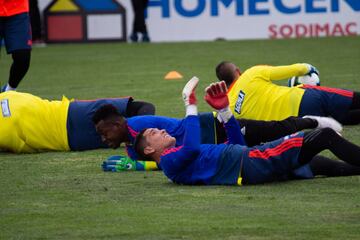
179, 157
284, 72
217, 98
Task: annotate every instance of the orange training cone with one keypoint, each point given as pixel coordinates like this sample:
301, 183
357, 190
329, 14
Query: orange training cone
173, 75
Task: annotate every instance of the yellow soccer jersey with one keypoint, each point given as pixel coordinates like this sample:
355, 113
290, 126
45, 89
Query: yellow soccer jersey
254, 96
31, 124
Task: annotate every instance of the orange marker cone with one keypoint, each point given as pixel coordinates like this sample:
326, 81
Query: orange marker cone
173, 75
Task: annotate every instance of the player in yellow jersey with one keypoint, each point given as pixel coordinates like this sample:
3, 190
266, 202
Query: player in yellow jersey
31, 124
253, 95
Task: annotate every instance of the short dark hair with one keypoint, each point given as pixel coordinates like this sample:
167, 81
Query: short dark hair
139, 145
225, 73
105, 112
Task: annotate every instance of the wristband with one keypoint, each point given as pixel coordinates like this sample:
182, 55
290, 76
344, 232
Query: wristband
224, 114
191, 110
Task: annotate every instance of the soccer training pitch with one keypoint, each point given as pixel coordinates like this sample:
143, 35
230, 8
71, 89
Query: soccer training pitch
67, 196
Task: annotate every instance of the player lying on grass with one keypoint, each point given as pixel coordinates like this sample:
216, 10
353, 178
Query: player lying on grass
31, 124
115, 129
233, 163
253, 95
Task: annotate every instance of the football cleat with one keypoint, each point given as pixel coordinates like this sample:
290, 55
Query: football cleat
326, 122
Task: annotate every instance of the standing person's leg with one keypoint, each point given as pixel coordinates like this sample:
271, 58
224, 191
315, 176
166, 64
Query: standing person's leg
35, 20
135, 5
139, 25
18, 44
19, 67
145, 33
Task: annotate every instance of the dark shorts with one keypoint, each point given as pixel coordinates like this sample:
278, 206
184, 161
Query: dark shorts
273, 161
81, 130
16, 31
324, 101
207, 125
228, 169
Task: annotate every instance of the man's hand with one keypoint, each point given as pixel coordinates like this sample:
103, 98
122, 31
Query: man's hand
188, 92
216, 95
119, 163
189, 96
311, 69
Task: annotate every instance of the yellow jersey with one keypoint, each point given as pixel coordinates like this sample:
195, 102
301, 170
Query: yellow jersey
31, 124
254, 96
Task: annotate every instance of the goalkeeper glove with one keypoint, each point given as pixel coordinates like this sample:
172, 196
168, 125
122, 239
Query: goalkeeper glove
311, 69
216, 97
189, 96
122, 163
119, 163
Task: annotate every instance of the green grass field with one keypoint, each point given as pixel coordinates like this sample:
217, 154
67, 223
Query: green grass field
67, 196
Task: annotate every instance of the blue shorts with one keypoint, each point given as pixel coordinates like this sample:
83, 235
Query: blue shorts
324, 101
81, 130
16, 31
273, 161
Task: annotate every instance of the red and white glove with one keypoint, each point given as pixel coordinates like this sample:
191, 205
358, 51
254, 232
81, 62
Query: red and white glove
216, 97
189, 96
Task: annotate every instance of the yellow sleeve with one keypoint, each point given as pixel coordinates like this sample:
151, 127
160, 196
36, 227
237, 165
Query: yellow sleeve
285, 72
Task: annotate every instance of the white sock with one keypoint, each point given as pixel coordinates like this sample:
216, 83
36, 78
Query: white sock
9, 88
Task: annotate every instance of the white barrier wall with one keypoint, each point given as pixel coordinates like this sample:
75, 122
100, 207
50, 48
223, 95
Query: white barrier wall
194, 20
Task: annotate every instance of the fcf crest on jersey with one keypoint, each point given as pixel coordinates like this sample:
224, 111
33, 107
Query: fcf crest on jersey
5, 108
239, 102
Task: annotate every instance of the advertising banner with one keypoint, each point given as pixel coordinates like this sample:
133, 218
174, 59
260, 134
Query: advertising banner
187, 20
207, 20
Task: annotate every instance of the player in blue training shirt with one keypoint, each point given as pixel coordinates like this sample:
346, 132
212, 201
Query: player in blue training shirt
233, 163
115, 129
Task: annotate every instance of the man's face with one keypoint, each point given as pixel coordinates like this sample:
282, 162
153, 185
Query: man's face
110, 133
159, 139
